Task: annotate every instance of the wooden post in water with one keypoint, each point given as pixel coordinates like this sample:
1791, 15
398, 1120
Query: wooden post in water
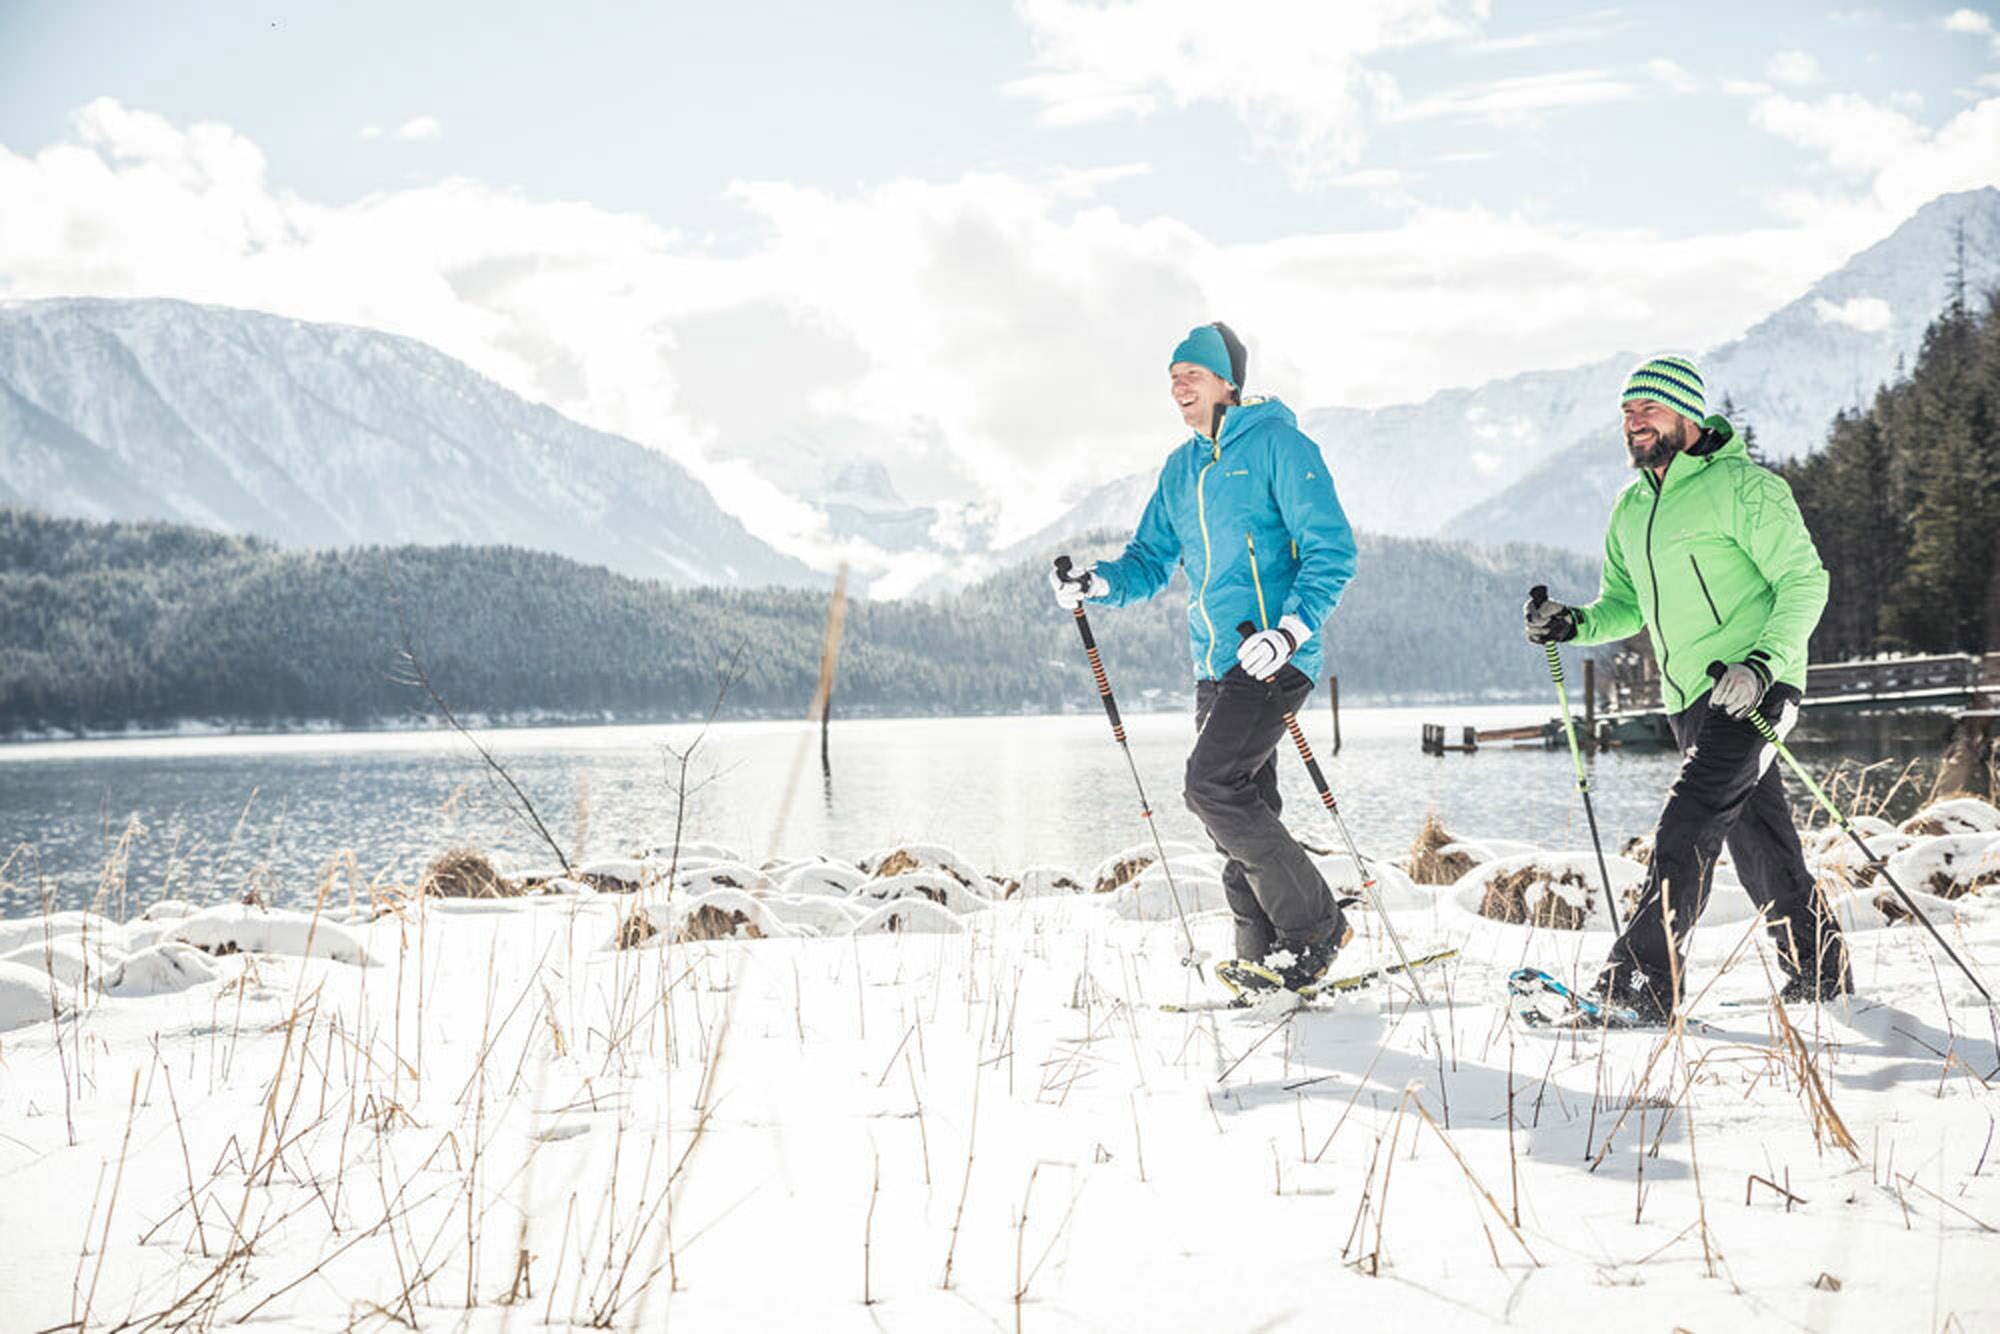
1333, 697
1589, 701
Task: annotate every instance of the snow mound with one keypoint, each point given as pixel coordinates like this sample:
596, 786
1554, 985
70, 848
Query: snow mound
24, 995
1959, 815
160, 970
689, 854
1149, 898
915, 916
168, 910
1874, 909
1949, 866
1839, 856
231, 928
1393, 885
815, 914
1122, 866
68, 960
621, 875
1554, 889
715, 875
835, 879
924, 857
1043, 882
56, 925
718, 914
936, 885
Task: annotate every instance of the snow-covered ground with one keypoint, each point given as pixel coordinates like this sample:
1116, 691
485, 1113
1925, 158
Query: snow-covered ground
926, 1100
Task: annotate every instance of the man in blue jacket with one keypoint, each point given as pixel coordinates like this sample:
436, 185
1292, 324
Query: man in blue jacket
1248, 507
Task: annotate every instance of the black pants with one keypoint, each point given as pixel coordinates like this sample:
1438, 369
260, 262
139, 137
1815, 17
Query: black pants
1278, 896
1730, 790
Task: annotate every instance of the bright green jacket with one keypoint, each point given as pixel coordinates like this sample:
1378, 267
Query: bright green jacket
1715, 561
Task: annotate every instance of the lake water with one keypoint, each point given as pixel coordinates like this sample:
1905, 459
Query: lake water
202, 817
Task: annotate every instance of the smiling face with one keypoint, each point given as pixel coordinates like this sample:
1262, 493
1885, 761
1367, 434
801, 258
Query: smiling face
1654, 433
1197, 392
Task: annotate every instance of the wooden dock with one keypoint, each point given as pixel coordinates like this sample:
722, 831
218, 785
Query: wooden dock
1965, 684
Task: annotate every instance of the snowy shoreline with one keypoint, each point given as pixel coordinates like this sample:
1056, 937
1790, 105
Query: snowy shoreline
956, 1099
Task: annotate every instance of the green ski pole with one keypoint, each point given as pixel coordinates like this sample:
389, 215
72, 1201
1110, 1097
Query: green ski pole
1540, 594
1770, 735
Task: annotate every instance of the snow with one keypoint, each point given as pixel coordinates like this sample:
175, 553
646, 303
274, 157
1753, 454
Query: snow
976, 1115
1959, 815
1957, 860
233, 927
26, 994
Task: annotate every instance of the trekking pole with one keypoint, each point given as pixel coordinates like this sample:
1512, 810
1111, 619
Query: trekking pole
1770, 735
1538, 595
1193, 957
1246, 629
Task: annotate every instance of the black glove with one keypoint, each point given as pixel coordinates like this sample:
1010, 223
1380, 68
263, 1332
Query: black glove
1548, 622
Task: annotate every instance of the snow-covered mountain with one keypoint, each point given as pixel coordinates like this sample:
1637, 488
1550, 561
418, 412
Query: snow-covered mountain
1788, 377
328, 435
1536, 457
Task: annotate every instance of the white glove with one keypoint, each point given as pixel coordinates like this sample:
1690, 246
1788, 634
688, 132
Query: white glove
1083, 582
1740, 688
1263, 654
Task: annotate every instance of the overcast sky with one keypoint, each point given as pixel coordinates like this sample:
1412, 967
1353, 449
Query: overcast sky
961, 239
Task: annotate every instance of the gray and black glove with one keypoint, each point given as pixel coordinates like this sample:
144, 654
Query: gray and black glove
1740, 688
1548, 622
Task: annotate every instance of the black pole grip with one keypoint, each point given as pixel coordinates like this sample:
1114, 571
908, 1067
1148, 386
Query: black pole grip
1715, 670
1538, 595
1062, 567
1246, 628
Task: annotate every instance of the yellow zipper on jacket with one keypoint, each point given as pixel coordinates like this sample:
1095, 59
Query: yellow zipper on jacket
1207, 556
1263, 617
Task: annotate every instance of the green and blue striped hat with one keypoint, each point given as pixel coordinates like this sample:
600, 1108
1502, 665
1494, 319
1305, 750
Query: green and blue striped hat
1673, 381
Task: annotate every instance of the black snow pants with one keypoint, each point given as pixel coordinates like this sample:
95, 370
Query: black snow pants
1728, 789
1278, 896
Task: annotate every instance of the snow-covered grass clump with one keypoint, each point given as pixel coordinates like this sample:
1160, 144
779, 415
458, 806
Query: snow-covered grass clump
1551, 889
1958, 815
795, 1103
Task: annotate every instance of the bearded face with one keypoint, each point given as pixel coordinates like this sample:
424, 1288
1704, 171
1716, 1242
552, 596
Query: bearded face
1654, 433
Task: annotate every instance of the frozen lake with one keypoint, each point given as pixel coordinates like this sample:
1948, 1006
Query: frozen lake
216, 814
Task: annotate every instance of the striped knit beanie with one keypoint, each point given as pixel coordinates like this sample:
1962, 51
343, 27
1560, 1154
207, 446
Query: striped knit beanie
1673, 381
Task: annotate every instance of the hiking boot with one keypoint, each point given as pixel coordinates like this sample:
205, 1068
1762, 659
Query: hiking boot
1803, 990
1646, 1005
1300, 968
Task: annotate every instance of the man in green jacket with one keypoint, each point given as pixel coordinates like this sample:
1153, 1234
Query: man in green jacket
1707, 550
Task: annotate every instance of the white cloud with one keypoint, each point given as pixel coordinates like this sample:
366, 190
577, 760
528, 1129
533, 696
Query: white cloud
1869, 314
1506, 100
1975, 24
1851, 133
1297, 72
988, 338
1797, 68
1673, 76
1899, 163
419, 127
370, 132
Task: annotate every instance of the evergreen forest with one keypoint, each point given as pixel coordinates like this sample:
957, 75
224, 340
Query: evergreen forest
109, 626
1904, 501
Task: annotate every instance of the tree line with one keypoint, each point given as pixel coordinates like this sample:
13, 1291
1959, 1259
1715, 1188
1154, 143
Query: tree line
113, 625
1904, 501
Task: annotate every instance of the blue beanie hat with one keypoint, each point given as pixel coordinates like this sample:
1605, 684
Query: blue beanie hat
1214, 347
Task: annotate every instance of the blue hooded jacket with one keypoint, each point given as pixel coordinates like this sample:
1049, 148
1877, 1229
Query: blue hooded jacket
1254, 518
